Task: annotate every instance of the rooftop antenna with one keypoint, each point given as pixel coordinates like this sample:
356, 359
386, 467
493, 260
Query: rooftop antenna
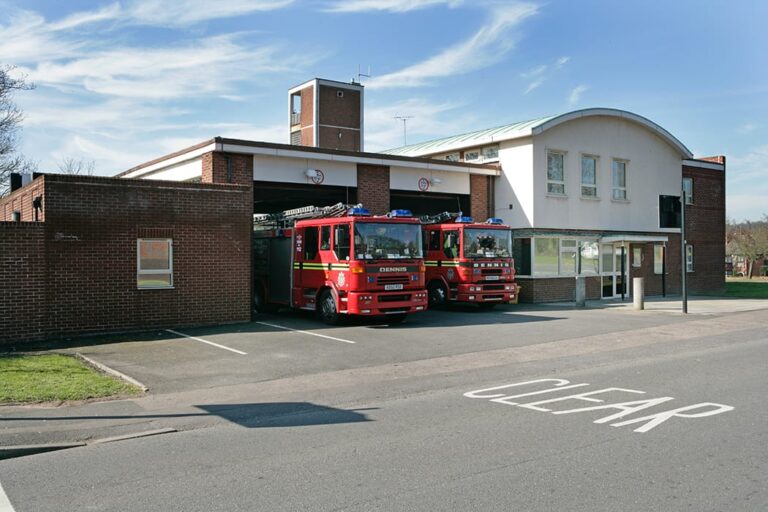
360, 75
404, 119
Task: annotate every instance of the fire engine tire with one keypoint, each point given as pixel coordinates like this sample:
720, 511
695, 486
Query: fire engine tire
438, 295
396, 319
326, 308
486, 305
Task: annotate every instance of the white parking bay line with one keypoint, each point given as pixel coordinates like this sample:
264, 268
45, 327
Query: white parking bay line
208, 342
5, 503
305, 332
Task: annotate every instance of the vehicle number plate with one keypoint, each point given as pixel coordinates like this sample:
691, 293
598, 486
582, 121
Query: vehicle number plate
393, 286
492, 278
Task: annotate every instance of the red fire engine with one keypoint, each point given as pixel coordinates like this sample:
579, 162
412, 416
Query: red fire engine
468, 261
339, 260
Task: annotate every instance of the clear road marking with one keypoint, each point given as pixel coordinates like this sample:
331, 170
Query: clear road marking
305, 332
5, 503
625, 408
208, 342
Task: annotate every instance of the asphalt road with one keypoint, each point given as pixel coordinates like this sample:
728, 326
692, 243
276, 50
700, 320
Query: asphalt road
423, 434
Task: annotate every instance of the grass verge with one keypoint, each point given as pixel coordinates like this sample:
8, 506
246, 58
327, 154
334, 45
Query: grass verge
755, 288
54, 377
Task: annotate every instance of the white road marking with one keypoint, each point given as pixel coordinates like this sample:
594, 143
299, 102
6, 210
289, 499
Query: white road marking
624, 408
208, 342
5, 503
305, 332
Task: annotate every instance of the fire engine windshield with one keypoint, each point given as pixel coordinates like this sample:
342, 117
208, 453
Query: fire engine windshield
379, 241
487, 243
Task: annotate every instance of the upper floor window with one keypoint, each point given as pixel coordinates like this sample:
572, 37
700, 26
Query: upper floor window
555, 173
688, 189
452, 157
619, 180
491, 153
470, 156
589, 176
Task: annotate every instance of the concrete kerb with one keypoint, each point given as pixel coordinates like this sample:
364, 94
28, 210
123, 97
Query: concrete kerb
111, 371
10, 452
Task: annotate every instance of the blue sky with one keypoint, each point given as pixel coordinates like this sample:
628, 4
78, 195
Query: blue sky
121, 82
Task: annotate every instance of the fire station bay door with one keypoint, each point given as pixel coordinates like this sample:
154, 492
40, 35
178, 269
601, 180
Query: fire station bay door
280, 270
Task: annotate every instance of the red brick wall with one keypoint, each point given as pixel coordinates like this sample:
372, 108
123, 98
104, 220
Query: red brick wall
337, 111
349, 140
215, 168
373, 187
22, 280
480, 196
21, 201
91, 230
705, 223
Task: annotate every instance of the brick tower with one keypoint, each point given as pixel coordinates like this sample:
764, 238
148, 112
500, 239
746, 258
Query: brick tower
327, 114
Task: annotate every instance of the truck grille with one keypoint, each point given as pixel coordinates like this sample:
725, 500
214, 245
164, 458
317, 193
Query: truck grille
492, 287
382, 280
394, 298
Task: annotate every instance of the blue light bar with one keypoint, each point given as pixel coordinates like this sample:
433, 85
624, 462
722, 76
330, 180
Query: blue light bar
363, 212
494, 220
400, 213
464, 220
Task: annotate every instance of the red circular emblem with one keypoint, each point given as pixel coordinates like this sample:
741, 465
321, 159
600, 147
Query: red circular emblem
318, 177
423, 184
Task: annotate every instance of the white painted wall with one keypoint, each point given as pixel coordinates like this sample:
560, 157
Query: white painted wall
653, 168
451, 182
293, 170
515, 185
183, 171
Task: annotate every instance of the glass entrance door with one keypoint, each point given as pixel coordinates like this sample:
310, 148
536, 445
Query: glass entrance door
612, 279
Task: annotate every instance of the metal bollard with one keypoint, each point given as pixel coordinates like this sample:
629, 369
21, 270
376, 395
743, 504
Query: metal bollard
581, 292
638, 292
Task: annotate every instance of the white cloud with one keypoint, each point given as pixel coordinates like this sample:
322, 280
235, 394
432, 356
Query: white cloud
747, 128
388, 5
575, 95
540, 74
487, 46
170, 72
188, 12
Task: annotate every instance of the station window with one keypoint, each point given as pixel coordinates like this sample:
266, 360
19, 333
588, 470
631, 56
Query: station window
658, 259
452, 157
567, 257
588, 176
154, 262
555, 173
545, 256
491, 153
590, 262
521, 252
471, 156
688, 188
619, 180
637, 257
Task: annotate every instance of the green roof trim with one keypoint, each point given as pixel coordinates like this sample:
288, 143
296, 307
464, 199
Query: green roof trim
528, 128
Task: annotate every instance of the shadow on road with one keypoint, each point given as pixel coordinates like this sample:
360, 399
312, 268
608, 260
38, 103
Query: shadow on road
257, 415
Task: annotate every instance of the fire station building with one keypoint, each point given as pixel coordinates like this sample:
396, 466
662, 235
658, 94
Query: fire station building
586, 193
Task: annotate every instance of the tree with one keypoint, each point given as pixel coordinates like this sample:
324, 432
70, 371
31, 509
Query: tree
10, 120
79, 166
748, 240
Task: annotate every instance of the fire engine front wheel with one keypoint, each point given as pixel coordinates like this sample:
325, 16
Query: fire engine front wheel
326, 308
437, 294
